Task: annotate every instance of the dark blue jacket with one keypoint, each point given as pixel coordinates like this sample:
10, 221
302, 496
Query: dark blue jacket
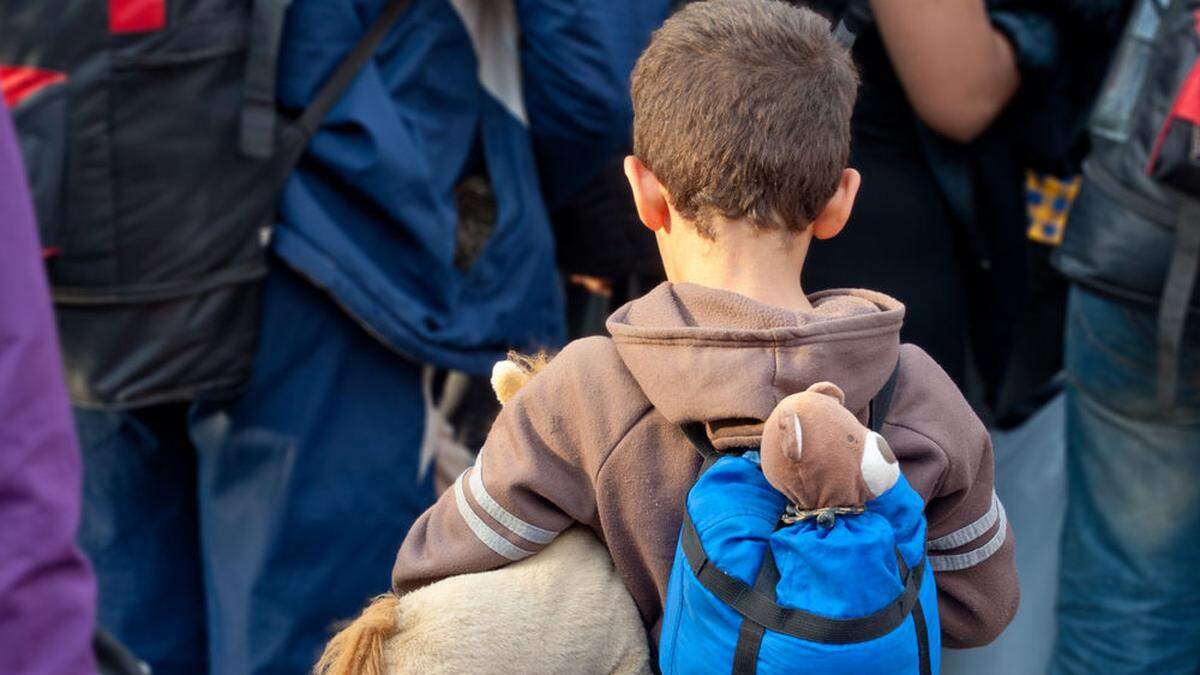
370, 213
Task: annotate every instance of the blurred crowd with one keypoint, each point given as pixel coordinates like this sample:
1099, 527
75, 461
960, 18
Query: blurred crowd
260, 257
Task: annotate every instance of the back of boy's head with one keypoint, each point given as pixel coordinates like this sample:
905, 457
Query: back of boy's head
742, 110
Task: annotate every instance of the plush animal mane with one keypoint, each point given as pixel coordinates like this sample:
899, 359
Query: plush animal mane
510, 375
357, 649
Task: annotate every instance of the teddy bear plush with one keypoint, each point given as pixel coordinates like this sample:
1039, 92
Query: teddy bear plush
818, 455
564, 610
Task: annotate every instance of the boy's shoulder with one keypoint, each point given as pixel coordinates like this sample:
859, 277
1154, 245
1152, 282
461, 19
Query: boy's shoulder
929, 403
585, 386
590, 361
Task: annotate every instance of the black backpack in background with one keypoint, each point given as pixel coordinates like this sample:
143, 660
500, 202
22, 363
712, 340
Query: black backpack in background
1134, 230
154, 152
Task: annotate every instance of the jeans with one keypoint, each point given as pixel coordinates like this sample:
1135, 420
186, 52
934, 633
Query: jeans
1129, 598
230, 537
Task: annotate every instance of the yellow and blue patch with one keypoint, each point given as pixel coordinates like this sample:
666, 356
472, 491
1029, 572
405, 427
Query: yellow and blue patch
1048, 201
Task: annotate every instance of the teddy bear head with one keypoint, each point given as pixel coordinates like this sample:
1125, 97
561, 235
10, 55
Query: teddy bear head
820, 456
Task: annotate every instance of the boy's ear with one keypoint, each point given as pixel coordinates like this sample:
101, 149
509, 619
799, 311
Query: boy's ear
833, 217
648, 195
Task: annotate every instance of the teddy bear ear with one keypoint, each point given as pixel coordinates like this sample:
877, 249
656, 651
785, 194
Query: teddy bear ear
791, 451
829, 389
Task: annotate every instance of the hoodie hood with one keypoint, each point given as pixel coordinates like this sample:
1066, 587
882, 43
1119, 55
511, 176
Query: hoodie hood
707, 355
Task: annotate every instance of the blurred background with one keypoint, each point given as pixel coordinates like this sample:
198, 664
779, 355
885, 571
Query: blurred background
269, 250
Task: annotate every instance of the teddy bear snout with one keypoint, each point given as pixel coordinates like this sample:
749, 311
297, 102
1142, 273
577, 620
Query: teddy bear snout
879, 468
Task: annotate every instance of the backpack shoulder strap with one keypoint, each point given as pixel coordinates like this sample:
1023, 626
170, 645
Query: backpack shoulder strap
297, 134
262, 62
347, 70
1178, 288
882, 403
698, 437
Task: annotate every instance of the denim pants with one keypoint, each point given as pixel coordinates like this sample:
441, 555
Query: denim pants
230, 537
1129, 598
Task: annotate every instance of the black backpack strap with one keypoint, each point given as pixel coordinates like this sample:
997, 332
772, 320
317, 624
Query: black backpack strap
1176, 299
297, 134
750, 635
764, 611
698, 437
924, 662
882, 403
258, 93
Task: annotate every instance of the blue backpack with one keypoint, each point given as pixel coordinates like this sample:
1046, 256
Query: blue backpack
750, 593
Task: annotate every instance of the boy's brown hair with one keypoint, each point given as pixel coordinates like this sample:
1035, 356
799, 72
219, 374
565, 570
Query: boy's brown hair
742, 109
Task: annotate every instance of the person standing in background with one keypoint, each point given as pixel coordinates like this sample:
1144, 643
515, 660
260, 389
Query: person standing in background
47, 591
1129, 595
958, 100
236, 508
373, 284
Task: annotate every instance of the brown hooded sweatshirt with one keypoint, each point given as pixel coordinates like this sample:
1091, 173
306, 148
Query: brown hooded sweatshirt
594, 438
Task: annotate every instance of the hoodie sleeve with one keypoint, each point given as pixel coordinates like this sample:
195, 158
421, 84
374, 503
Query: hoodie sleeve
946, 454
534, 476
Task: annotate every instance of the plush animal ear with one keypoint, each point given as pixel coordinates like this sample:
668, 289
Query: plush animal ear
829, 389
510, 375
879, 468
790, 450
507, 379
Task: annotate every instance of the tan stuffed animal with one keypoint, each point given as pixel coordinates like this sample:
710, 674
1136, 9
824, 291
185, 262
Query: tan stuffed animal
821, 457
564, 610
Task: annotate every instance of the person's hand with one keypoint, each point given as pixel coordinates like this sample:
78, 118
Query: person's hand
594, 285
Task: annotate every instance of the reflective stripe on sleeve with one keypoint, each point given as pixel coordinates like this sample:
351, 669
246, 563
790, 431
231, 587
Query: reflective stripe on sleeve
521, 528
966, 535
484, 533
961, 561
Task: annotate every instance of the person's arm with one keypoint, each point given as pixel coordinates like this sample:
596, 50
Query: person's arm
946, 454
971, 549
534, 477
47, 591
957, 69
520, 494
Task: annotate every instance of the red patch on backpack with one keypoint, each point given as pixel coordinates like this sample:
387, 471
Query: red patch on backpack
20, 82
1186, 107
136, 16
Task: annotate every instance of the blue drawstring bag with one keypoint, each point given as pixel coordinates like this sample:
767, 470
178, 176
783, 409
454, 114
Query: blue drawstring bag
837, 577
754, 590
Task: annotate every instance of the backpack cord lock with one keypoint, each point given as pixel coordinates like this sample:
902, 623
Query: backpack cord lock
826, 517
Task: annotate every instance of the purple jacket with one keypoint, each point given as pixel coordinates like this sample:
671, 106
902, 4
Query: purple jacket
47, 593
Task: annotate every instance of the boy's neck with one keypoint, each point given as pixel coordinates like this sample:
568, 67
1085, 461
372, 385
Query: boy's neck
763, 266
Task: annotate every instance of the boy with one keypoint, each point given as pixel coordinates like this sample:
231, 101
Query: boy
741, 139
